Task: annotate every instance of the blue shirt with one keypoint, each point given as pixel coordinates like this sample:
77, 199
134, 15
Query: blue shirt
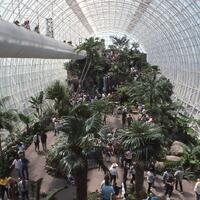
106, 191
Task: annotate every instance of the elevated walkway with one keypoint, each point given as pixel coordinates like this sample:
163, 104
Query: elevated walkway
18, 42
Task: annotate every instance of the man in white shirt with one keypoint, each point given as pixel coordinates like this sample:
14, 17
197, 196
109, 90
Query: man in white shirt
17, 165
113, 172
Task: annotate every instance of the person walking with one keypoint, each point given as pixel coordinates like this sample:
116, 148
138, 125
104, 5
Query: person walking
24, 172
18, 166
128, 157
113, 172
129, 120
165, 176
23, 189
124, 113
56, 125
169, 185
43, 138
36, 141
107, 191
197, 189
150, 180
179, 177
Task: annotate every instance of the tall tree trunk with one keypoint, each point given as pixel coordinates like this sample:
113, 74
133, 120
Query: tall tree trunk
27, 128
81, 183
139, 179
88, 67
82, 74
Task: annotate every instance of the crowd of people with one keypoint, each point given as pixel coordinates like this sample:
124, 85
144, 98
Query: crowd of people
125, 159
11, 187
170, 180
18, 186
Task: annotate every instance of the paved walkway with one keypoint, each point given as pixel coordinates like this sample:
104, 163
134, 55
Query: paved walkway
95, 176
37, 170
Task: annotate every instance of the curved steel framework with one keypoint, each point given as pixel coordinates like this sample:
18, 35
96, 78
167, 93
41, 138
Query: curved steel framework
169, 30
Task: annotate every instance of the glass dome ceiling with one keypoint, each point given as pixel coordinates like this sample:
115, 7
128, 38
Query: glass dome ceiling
168, 30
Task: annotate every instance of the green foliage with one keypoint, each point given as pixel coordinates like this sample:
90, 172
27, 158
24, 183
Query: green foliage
145, 139
93, 65
190, 158
52, 195
121, 43
101, 106
78, 140
151, 90
37, 104
123, 94
7, 116
26, 119
46, 120
60, 94
93, 196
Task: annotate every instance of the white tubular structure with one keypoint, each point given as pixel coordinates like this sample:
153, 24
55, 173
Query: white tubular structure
18, 42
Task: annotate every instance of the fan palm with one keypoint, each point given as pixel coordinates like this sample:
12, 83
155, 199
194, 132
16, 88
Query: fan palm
78, 143
145, 140
26, 119
120, 43
37, 104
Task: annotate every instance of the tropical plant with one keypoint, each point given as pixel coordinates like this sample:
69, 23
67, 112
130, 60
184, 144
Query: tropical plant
26, 119
51, 195
94, 48
190, 158
37, 103
145, 140
60, 94
103, 106
120, 43
151, 90
78, 144
8, 117
123, 93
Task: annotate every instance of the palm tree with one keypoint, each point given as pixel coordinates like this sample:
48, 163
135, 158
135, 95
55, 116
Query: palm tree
37, 104
7, 119
60, 94
26, 119
145, 140
78, 143
94, 48
151, 90
120, 43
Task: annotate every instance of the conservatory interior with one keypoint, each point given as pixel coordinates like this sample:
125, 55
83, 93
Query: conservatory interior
99, 99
